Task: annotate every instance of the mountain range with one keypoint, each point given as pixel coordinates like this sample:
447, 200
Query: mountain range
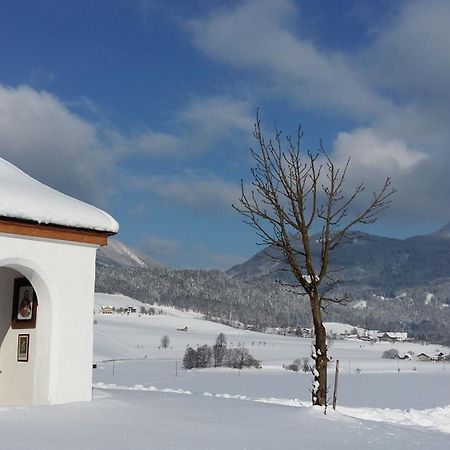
384, 265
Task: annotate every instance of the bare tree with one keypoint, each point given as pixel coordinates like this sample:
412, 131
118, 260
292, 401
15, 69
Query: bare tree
295, 194
219, 350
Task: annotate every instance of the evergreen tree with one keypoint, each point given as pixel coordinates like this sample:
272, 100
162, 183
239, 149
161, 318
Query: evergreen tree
189, 358
203, 356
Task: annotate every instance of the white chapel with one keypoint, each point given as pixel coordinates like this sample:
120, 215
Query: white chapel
48, 244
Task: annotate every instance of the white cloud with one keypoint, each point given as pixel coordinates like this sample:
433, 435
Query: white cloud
157, 143
196, 128
259, 35
213, 118
396, 91
44, 138
371, 152
410, 52
191, 190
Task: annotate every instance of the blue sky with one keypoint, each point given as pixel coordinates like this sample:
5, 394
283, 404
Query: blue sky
146, 107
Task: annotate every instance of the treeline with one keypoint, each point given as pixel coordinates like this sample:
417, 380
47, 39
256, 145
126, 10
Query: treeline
219, 356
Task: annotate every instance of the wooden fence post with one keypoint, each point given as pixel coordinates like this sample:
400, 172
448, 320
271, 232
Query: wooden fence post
336, 376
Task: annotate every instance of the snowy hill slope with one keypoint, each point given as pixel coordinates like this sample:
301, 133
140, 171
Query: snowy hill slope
140, 335
138, 339
339, 328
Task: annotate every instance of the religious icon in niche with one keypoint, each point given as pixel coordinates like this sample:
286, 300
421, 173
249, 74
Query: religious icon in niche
25, 309
24, 304
23, 345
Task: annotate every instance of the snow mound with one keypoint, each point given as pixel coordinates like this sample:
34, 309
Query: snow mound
436, 418
23, 197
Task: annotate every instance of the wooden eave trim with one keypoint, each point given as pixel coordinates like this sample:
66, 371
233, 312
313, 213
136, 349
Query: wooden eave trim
57, 232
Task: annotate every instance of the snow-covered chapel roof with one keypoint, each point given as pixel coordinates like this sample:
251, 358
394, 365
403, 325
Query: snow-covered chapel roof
24, 198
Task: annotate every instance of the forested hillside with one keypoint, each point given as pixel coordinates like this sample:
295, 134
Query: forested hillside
264, 303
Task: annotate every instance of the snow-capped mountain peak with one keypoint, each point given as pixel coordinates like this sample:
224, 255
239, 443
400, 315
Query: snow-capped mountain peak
117, 254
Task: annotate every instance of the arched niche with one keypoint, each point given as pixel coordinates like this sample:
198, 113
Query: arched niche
24, 381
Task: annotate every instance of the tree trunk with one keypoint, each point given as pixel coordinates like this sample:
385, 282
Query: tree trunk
319, 392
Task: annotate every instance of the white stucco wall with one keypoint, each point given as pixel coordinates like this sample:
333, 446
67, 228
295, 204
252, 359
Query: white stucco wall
16, 379
60, 365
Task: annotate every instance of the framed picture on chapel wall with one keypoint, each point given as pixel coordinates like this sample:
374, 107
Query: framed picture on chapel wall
24, 305
23, 346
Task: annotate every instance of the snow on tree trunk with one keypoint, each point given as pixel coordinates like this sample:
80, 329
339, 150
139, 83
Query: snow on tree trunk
320, 357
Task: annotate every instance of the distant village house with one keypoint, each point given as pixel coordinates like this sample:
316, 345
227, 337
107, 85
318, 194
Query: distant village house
106, 310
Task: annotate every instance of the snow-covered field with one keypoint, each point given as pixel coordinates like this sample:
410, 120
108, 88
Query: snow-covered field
143, 398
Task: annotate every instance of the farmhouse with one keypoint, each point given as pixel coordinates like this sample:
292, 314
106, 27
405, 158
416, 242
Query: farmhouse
48, 244
391, 336
438, 357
